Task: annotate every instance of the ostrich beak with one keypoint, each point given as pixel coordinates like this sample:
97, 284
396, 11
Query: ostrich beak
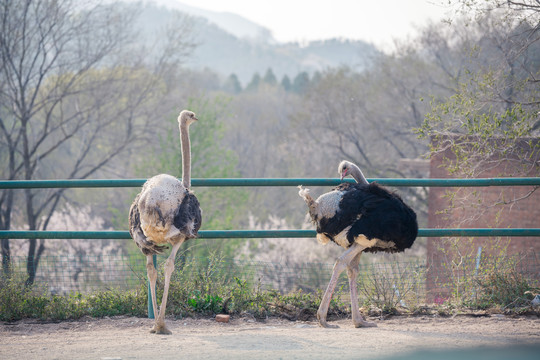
343, 174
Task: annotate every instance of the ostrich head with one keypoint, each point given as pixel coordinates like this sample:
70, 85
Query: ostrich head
347, 168
344, 169
187, 117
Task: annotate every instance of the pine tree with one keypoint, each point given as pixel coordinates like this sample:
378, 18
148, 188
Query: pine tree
286, 83
254, 83
232, 84
270, 78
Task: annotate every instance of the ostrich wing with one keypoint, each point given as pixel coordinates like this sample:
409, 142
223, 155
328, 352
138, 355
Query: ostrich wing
147, 247
188, 217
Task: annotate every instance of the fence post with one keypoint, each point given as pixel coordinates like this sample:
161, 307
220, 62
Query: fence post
151, 314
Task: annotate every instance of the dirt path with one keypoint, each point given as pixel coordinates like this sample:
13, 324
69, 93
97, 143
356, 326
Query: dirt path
243, 338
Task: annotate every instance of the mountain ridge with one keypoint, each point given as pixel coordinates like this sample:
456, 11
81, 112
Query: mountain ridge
225, 53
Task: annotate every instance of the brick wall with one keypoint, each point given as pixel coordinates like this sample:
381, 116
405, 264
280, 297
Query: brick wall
478, 207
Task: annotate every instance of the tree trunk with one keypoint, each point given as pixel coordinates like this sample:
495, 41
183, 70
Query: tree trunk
5, 224
6, 258
34, 253
30, 264
33, 260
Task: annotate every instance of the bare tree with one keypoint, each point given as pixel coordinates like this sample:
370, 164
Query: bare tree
494, 105
71, 99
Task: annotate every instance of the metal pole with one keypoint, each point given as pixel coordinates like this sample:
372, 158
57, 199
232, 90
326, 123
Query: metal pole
478, 256
151, 314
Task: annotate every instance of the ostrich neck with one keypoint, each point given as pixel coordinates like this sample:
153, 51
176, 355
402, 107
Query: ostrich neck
358, 175
186, 156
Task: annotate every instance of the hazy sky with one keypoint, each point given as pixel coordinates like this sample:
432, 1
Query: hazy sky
377, 21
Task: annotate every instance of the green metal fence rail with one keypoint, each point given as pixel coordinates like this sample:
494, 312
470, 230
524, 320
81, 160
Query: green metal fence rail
101, 183
251, 234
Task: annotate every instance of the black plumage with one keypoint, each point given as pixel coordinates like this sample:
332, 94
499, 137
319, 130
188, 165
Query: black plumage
188, 217
374, 212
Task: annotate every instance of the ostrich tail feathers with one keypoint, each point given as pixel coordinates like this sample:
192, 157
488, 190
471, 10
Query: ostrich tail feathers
304, 193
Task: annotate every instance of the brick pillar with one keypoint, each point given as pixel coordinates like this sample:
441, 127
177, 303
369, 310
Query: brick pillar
476, 208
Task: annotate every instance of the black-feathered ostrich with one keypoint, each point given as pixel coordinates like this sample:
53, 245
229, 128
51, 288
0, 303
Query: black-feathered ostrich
359, 217
166, 212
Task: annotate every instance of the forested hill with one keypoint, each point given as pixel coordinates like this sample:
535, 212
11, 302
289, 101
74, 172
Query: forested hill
225, 53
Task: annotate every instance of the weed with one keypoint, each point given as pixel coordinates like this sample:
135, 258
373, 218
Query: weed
505, 289
206, 303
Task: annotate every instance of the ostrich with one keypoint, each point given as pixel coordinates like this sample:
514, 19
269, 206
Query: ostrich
359, 217
166, 211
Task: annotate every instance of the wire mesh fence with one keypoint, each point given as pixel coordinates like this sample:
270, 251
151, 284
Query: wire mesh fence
398, 282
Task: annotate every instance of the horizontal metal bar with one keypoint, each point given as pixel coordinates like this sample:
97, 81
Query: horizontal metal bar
529, 181
36, 234
71, 183
106, 183
229, 234
480, 232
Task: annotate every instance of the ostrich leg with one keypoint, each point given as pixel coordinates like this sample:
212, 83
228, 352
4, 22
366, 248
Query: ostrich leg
341, 264
160, 327
352, 273
152, 277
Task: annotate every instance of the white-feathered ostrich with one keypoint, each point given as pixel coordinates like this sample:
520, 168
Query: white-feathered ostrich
166, 212
359, 217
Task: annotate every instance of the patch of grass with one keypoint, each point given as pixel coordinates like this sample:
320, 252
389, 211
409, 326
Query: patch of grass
498, 285
207, 288
205, 292
505, 289
19, 302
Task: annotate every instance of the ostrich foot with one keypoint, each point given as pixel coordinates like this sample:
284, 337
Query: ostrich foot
324, 324
364, 323
160, 329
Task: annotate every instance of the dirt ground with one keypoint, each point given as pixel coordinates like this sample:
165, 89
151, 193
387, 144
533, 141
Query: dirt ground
488, 337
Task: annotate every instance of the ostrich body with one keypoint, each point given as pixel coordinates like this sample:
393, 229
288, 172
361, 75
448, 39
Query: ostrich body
360, 217
166, 212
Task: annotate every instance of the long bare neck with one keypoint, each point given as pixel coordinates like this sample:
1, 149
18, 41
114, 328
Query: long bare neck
186, 155
357, 174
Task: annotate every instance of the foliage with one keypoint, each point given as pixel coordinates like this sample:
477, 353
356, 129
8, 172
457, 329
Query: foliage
19, 302
492, 114
208, 288
487, 278
206, 303
505, 289
392, 286
480, 136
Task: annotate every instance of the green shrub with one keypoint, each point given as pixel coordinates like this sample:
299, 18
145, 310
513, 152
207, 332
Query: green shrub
18, 302
205, 304
505, 289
